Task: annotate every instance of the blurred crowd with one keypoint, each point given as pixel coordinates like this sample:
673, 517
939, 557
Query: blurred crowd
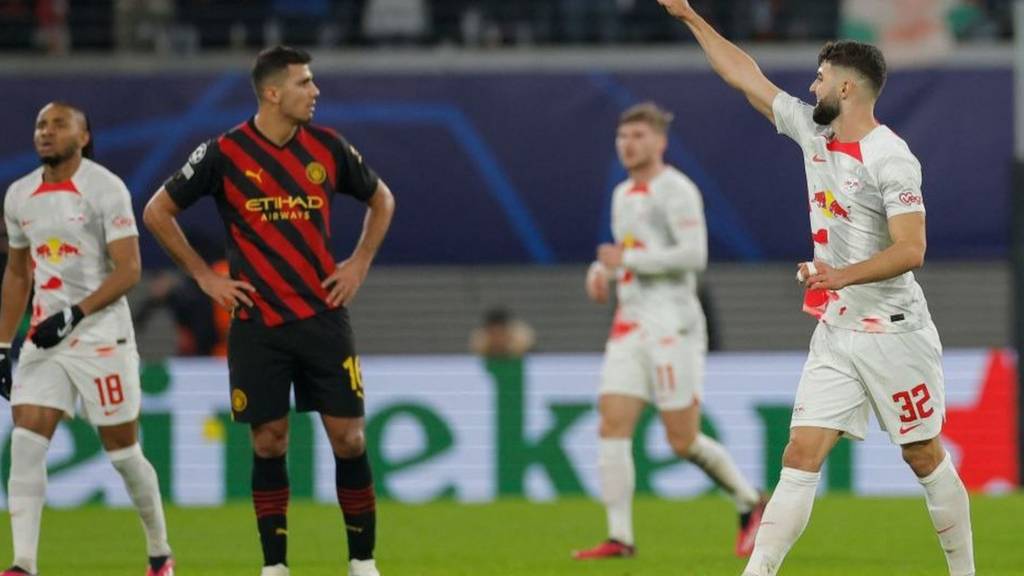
187, 26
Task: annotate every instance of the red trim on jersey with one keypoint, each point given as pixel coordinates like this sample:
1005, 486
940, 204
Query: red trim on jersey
287, 159
65, 186
639, 188
851, 149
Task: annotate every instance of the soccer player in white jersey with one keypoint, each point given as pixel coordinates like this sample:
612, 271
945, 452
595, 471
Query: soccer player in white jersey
655, 352
875, 347
73, 237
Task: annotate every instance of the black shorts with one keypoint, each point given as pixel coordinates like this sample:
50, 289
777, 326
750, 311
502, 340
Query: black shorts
317, 354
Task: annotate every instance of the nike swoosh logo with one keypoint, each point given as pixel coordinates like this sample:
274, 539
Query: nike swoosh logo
818, 159
110, 412
65, 330
905, 429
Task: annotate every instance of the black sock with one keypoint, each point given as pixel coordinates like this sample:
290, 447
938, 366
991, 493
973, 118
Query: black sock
157, 562
358, 504
270, 494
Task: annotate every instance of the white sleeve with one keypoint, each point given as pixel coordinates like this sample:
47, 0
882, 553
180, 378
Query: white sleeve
684, 215
899, 179
16, 237
794, 118
116, 208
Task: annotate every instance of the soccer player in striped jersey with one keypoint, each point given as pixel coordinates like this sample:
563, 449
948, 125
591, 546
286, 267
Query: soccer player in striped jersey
73, 238
875, 348
274, 179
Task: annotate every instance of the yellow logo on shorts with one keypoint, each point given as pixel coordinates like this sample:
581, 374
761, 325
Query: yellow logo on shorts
316, 172
238, 400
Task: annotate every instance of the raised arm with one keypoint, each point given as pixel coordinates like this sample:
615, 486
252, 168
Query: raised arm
734, 65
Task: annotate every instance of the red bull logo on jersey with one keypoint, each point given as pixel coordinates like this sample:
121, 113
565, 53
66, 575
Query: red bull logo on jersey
829, 206
273, 208
55, 250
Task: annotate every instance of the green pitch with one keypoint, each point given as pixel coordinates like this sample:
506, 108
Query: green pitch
846, 536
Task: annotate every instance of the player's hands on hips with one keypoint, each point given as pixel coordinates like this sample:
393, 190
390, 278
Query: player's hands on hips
5, 371
824, 277
597, 283
226, 292
51, 331
345, 281
610, 255
678, 8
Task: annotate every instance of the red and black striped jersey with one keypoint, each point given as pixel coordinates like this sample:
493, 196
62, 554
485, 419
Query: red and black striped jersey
275, 202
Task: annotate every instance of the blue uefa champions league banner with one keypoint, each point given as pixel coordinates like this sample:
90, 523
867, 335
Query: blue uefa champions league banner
518, 167
457, 427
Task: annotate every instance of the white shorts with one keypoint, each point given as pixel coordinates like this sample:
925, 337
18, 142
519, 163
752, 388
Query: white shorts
667, 371
107, 385
898, 376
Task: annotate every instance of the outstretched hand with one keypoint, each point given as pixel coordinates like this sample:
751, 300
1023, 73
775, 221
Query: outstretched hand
680, 9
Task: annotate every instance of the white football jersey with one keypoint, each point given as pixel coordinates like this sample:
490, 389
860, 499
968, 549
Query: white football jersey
853, 189
661, 227
66, 226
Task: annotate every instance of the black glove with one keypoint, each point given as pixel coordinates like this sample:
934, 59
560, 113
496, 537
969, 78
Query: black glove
51, 331
5, 371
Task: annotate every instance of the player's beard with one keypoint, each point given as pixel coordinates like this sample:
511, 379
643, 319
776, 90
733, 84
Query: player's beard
59, 157
826, 110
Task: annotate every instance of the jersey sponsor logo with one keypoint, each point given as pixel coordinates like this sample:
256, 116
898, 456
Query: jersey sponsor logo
198, 154
255, 176
316, 173
123, 221
55, 250
273, 208
54, 283
239, 401
911, 199
829, 206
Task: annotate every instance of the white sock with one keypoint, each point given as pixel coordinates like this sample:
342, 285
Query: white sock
26, 492
618, 480
143, 487
950, 510
715, 461
784, 520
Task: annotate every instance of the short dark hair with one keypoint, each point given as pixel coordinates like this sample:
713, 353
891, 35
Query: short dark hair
864, 58
655, 116
273, 60
89, 150
497, 317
